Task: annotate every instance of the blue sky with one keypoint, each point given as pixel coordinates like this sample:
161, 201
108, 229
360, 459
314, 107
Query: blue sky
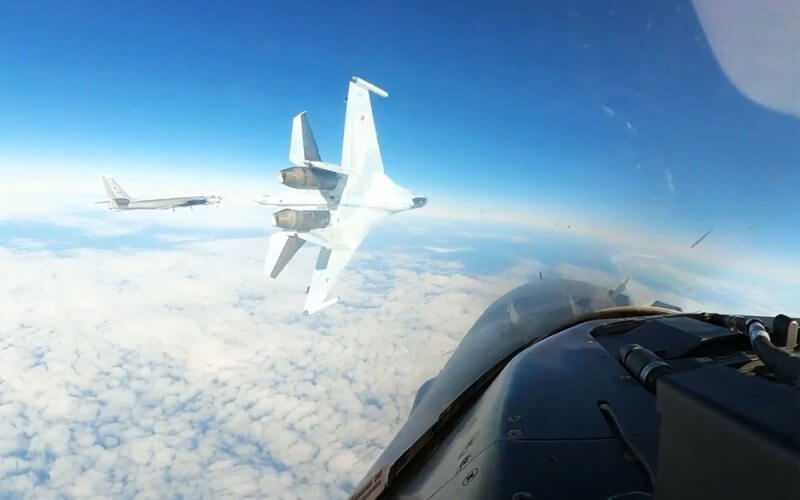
583, 106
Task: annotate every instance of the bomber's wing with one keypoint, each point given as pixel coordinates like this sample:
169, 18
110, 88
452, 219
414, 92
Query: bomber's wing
361, 155
343, 241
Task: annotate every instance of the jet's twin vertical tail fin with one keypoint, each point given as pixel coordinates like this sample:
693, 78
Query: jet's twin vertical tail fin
361, 154
303, 147
282, 247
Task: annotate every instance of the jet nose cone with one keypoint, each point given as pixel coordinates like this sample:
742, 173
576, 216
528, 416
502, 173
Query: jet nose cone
419, 202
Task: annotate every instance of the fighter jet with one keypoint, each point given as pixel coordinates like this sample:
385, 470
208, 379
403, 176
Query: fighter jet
120, 200
567, 389
335, 206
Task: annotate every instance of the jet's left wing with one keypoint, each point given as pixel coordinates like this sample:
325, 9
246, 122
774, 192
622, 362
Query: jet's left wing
341, 243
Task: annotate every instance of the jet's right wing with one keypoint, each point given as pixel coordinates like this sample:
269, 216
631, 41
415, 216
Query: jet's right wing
345, 238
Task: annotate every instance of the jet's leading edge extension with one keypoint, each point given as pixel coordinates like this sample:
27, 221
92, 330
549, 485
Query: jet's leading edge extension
338, 205
119, 199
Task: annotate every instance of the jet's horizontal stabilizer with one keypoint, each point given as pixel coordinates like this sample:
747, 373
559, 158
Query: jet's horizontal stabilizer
303, 147
282, 247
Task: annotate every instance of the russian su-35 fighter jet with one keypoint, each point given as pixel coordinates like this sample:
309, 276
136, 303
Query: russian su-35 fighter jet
119, 199
336, 206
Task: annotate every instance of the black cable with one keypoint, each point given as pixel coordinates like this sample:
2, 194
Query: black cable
785, 365
613, 422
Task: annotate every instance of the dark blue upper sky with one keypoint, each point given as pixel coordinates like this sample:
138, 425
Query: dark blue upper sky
583, 104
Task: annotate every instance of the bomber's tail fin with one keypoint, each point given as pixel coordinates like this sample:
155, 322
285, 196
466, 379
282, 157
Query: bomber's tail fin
282, 247
303, 147
114, 191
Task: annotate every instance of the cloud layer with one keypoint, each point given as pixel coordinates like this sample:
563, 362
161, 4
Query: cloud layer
155, 373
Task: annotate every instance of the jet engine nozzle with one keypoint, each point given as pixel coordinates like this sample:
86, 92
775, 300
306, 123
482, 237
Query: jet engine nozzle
308, 178
301, 220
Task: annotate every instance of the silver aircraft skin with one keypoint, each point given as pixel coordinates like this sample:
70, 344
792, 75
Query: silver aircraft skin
333, 206
120, 200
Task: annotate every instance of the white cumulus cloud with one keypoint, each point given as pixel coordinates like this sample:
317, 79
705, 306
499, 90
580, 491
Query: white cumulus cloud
132, 373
